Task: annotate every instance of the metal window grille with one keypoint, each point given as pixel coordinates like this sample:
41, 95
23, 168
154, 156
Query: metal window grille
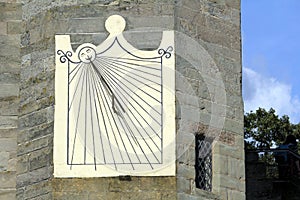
203, 164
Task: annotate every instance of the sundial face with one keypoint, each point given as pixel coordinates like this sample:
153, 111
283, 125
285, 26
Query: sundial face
87, 54
115, 107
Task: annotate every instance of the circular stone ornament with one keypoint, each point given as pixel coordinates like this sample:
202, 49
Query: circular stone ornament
115, 24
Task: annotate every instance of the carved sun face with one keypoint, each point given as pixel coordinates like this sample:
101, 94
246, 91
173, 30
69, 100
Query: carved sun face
87, 54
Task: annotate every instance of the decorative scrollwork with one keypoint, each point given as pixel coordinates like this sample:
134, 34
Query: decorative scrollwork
166, 53
64, 56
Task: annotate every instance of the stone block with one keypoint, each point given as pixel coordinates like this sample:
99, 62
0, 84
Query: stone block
220, 164
184, 98
186, 171
7, 180
53, 27
22, 164
9, 106
9, 78
167, 9
217, 51
8, 194
225, 150
43, 197
33, 177
225, 181
3, 28
8, 133
153, 22
36, 118
11, 43
232, 194
14, 14
220, 191
183, 196
185, 138
239, 141
86, 25
75, 195
73, 185
141, 195
29, 105
9, 90
147, 40
116, 186
183, 185
33, 145
8, 144
218, 110
190, 113
182, 153
10, 64
40, 158
97, 196
227, 138
235, 16
205, 118
168, 195
4, 157
234, 126
157, 183
35, 132
20, 193
37, 189
12, 163
14, 27
236, 168
233, 4
212, 36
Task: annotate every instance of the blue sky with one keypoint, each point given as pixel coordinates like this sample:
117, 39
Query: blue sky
271, 56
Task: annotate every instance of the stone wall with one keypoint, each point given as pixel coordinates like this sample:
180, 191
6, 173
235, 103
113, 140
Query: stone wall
208, 93
85, 23
10, 62
213, 105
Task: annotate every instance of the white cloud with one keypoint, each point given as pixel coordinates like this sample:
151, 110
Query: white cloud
267, 92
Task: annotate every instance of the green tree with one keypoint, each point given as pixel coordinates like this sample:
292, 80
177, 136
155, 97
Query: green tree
264, 128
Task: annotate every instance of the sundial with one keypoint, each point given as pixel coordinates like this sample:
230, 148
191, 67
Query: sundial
114, 107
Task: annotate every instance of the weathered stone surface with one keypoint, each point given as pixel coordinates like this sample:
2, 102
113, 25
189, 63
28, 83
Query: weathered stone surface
225, 181
36, 118
4, 157
7, 180
183, 185
3, 28
236, 168
232, 194
220, 164
9, 96
35, 132
35, 190
8, 144
8, 133
186, 171
9, 90
33, 177
231, 151
9, 194
22, 164
33, 145
14, 27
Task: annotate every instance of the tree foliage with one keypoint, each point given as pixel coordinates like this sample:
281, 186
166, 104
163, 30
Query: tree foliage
263, 129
